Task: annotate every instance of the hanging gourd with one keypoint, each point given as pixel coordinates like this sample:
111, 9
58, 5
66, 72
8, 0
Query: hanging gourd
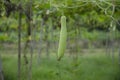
63, 38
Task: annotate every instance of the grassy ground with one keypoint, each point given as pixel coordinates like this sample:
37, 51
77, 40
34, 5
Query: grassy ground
87, 67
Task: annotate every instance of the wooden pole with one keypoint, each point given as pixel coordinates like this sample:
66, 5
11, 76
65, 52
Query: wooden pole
19, 44
31, 43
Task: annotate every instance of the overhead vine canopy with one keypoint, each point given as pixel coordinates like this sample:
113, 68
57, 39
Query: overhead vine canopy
97, 12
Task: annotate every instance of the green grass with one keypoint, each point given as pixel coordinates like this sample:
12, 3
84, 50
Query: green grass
87, 67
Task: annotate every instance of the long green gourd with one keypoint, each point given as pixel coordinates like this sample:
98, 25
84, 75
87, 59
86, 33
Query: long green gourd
63, 38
